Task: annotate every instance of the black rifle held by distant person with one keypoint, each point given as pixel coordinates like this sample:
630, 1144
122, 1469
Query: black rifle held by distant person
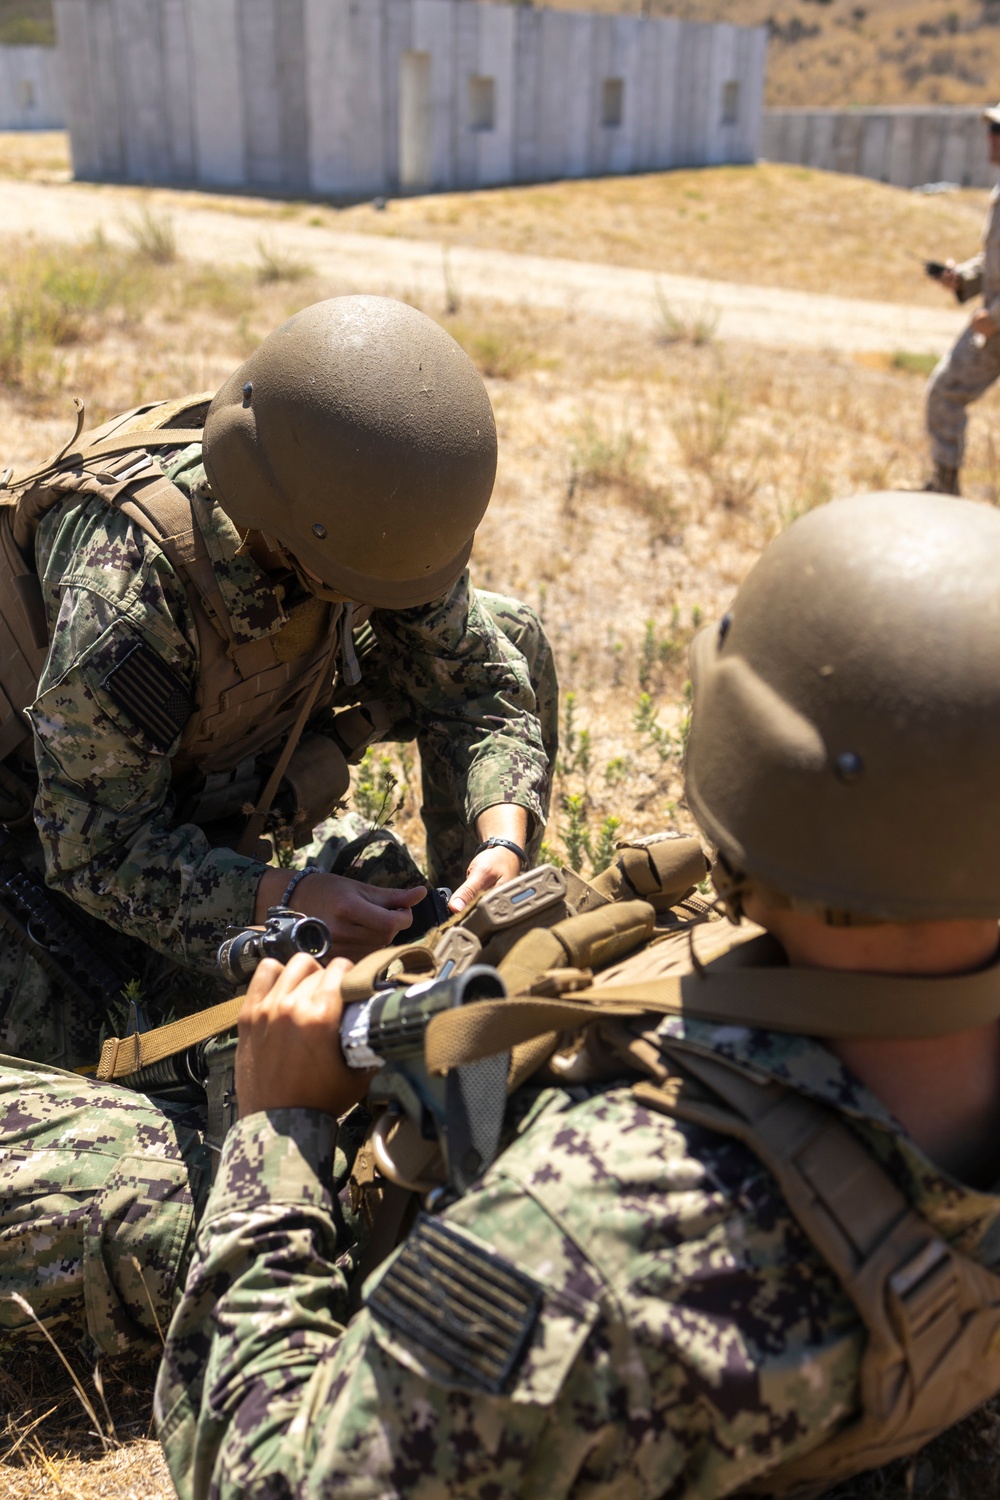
936, 269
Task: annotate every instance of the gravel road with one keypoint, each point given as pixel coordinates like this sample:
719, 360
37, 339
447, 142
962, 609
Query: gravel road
229, 234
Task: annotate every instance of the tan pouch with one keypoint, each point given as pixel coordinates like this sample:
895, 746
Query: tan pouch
318, 777
662, 869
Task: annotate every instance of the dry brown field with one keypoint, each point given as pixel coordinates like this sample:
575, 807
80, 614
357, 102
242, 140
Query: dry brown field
640, 476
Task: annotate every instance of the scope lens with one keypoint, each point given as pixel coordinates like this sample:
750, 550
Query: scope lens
311, 936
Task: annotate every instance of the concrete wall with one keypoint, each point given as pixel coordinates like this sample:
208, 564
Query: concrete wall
309, 95
31, 91
902, 145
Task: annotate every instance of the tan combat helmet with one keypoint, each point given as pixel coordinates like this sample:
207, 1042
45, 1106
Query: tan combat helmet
845, 738
361, 436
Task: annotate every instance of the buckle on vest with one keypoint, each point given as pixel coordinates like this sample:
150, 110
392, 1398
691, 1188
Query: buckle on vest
910, 1276
927, 1314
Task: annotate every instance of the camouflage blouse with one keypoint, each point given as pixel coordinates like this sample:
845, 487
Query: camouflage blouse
658, 1323
104, 807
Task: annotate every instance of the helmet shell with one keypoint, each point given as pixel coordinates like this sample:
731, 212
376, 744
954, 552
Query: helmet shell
845, 735
359, 434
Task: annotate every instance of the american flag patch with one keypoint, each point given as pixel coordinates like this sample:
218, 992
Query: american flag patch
151, 693
468, 1307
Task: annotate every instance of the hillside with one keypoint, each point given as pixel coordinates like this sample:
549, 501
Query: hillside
837, 52
26, 22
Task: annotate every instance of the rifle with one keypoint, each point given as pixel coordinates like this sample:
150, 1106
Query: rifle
935, 269
50, 932
463, 1111
385, 1026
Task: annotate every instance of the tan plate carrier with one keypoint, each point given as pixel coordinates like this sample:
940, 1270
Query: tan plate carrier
252, 695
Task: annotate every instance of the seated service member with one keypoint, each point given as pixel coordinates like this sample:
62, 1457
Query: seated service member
628, 1303
201, 599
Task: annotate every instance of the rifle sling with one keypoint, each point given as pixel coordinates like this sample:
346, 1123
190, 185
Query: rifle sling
121, 1056
775, 998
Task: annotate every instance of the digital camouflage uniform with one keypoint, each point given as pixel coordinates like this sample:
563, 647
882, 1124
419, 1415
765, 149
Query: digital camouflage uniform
966, 372
688, 1336
99, 1190
470, 676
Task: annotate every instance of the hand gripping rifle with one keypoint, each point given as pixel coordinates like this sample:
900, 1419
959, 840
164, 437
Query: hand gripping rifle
543, 922
463, 1111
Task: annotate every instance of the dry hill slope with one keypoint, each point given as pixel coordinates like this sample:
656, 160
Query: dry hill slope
842, 52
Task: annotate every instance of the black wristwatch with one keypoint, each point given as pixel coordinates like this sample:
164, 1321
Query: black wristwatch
499, 843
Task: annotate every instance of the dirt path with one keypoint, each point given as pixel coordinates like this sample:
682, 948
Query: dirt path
230, 233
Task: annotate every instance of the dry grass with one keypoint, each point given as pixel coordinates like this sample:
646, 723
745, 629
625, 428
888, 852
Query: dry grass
639, 478
49, 1449
769, 225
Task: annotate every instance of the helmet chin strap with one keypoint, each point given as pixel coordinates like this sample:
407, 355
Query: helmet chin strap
732, 885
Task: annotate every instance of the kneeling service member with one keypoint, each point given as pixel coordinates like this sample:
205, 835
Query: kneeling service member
207, 608
757, 1248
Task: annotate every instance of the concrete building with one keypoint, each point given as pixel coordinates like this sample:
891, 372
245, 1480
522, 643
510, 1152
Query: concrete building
362, 97
903, 145
31, 91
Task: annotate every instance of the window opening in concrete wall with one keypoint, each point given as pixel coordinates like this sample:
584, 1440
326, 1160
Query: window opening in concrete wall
482, 108
415, 119
731, 102
26, 89
612, 101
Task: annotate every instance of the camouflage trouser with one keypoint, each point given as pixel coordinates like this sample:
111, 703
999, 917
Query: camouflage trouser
100, 1191
959, 378
449, 842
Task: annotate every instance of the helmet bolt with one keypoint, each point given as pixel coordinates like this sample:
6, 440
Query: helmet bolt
724, 625
319, 531
849, 765
247, 392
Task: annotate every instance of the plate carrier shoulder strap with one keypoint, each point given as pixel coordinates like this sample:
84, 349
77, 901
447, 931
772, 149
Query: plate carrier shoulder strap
931, 1313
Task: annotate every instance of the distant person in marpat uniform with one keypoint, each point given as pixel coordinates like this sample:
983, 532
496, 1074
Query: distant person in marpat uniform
208, 607
971, 367
753, 1242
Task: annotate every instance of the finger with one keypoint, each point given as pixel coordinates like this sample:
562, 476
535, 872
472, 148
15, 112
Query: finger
460, 899
392, 900
376, 928
265, 977
290, 977
329, 992
298, 969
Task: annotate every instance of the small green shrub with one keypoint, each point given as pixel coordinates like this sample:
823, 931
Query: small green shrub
275, 265
374, 786
153, 236
913, 364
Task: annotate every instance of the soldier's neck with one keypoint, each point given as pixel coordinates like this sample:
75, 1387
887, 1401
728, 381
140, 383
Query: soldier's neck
944, 1090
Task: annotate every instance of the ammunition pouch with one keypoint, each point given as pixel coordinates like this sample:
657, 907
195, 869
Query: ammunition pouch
316, 779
